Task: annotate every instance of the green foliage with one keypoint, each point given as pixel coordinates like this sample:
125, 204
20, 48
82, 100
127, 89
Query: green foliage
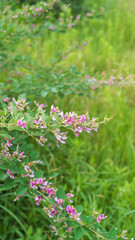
21, 190
78, 233
60, 193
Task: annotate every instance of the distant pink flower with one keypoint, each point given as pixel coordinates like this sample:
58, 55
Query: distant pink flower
51, 28
63, 56
94, 88
89, 14
111, 79
87, 76
78, 17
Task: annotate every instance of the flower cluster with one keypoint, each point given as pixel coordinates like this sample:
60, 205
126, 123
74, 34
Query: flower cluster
73, 214
21, 104
100, 217
53, 122
5, 151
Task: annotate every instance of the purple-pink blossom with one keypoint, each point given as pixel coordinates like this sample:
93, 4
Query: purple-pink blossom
21, 123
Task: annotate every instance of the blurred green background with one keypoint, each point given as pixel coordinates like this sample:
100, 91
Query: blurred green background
100, 167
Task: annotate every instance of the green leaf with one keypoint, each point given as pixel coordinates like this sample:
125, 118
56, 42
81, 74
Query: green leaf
21, 190
96, 226
54, 90
44, 116
60, 193
78, 233
57, 117
29, 118
86, 229
13, 109
13, 168
18, 128
75, 224
112, 233
79, 208
4, 166
38, 174
9, 183
5, 135
86, 219
2, 113
3, 176
44, 93
23, 181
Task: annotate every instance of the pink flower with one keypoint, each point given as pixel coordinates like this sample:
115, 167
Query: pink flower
8, 171
83, 118
21, 124
68, 208
69, 230
88, 14
53, 109
77, 134
70, 120
32, 184
41, 105
78, 17
69, 195
60, 201
6, 99
87, 76
63, 56
9, 144
100, 217
12, 176
50, 191
111, 79
39, 181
